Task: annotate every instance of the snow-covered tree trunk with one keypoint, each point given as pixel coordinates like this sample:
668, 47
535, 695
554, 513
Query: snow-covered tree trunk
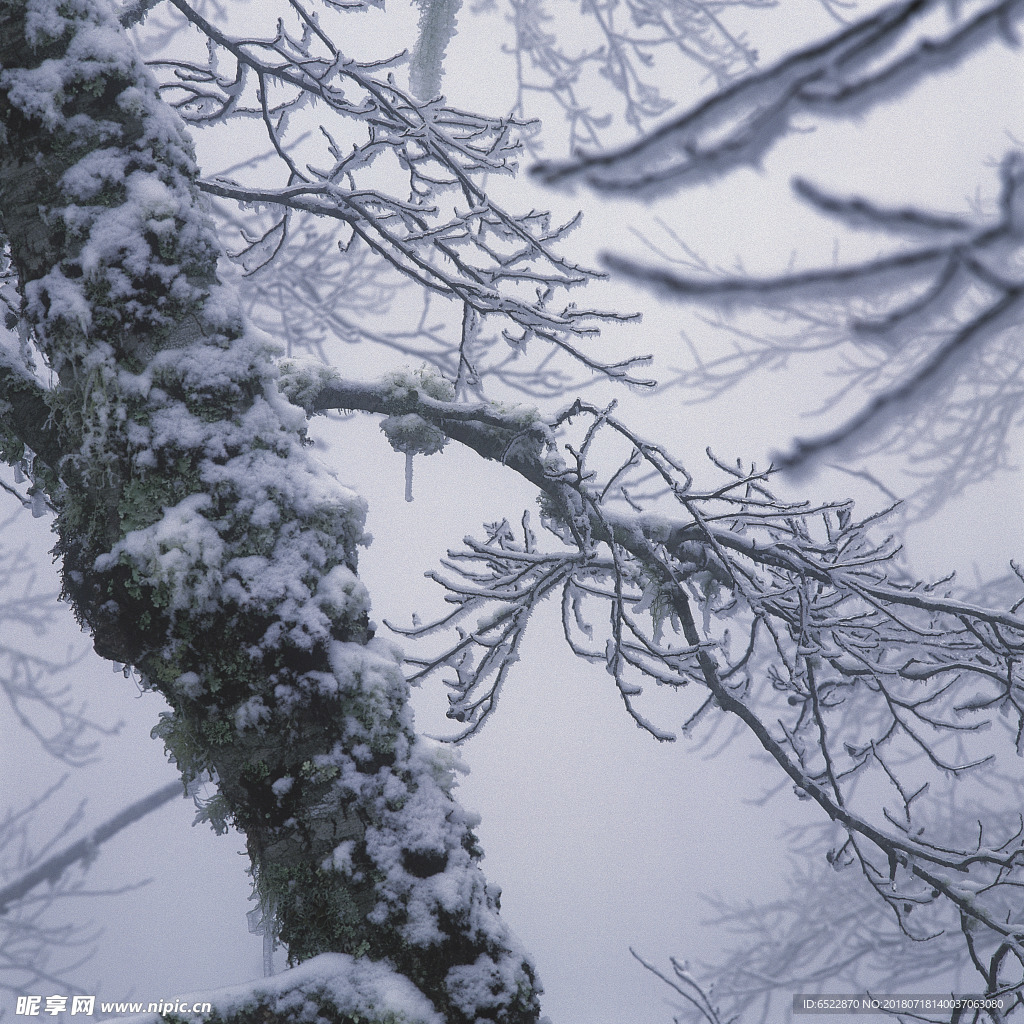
201, 544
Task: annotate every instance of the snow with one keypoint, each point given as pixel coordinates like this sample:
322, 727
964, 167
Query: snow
341, 859
473, 986
36, 92
413, 435
302, 380
42, 22
425, 379
251, 714
363, 989
189, 684
182, 552
60, 298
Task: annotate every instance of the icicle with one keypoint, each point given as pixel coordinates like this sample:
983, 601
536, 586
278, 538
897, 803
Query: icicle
38, 504
19, 477
261, 922
268, 953
408, 476
650, 592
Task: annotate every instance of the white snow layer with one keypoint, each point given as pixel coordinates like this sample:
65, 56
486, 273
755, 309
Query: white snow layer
366, 990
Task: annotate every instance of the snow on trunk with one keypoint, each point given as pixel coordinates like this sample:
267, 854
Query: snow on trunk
202, 544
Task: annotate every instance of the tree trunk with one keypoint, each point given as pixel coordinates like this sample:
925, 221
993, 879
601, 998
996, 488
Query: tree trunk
202, 544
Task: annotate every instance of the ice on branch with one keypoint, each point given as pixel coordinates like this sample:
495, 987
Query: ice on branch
436, 30
330, 121
797, 621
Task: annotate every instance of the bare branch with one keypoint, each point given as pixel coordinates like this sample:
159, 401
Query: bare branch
879, 57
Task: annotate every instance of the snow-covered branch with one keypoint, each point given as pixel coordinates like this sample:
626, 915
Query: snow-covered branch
436, 223
792, 619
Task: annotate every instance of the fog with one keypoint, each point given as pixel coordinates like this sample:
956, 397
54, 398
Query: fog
601, 839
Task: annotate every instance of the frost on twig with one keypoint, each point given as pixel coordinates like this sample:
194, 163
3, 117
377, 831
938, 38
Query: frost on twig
875, 59
336, 131
829, 931
436, 29
603, 65
684, 984
799, 622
